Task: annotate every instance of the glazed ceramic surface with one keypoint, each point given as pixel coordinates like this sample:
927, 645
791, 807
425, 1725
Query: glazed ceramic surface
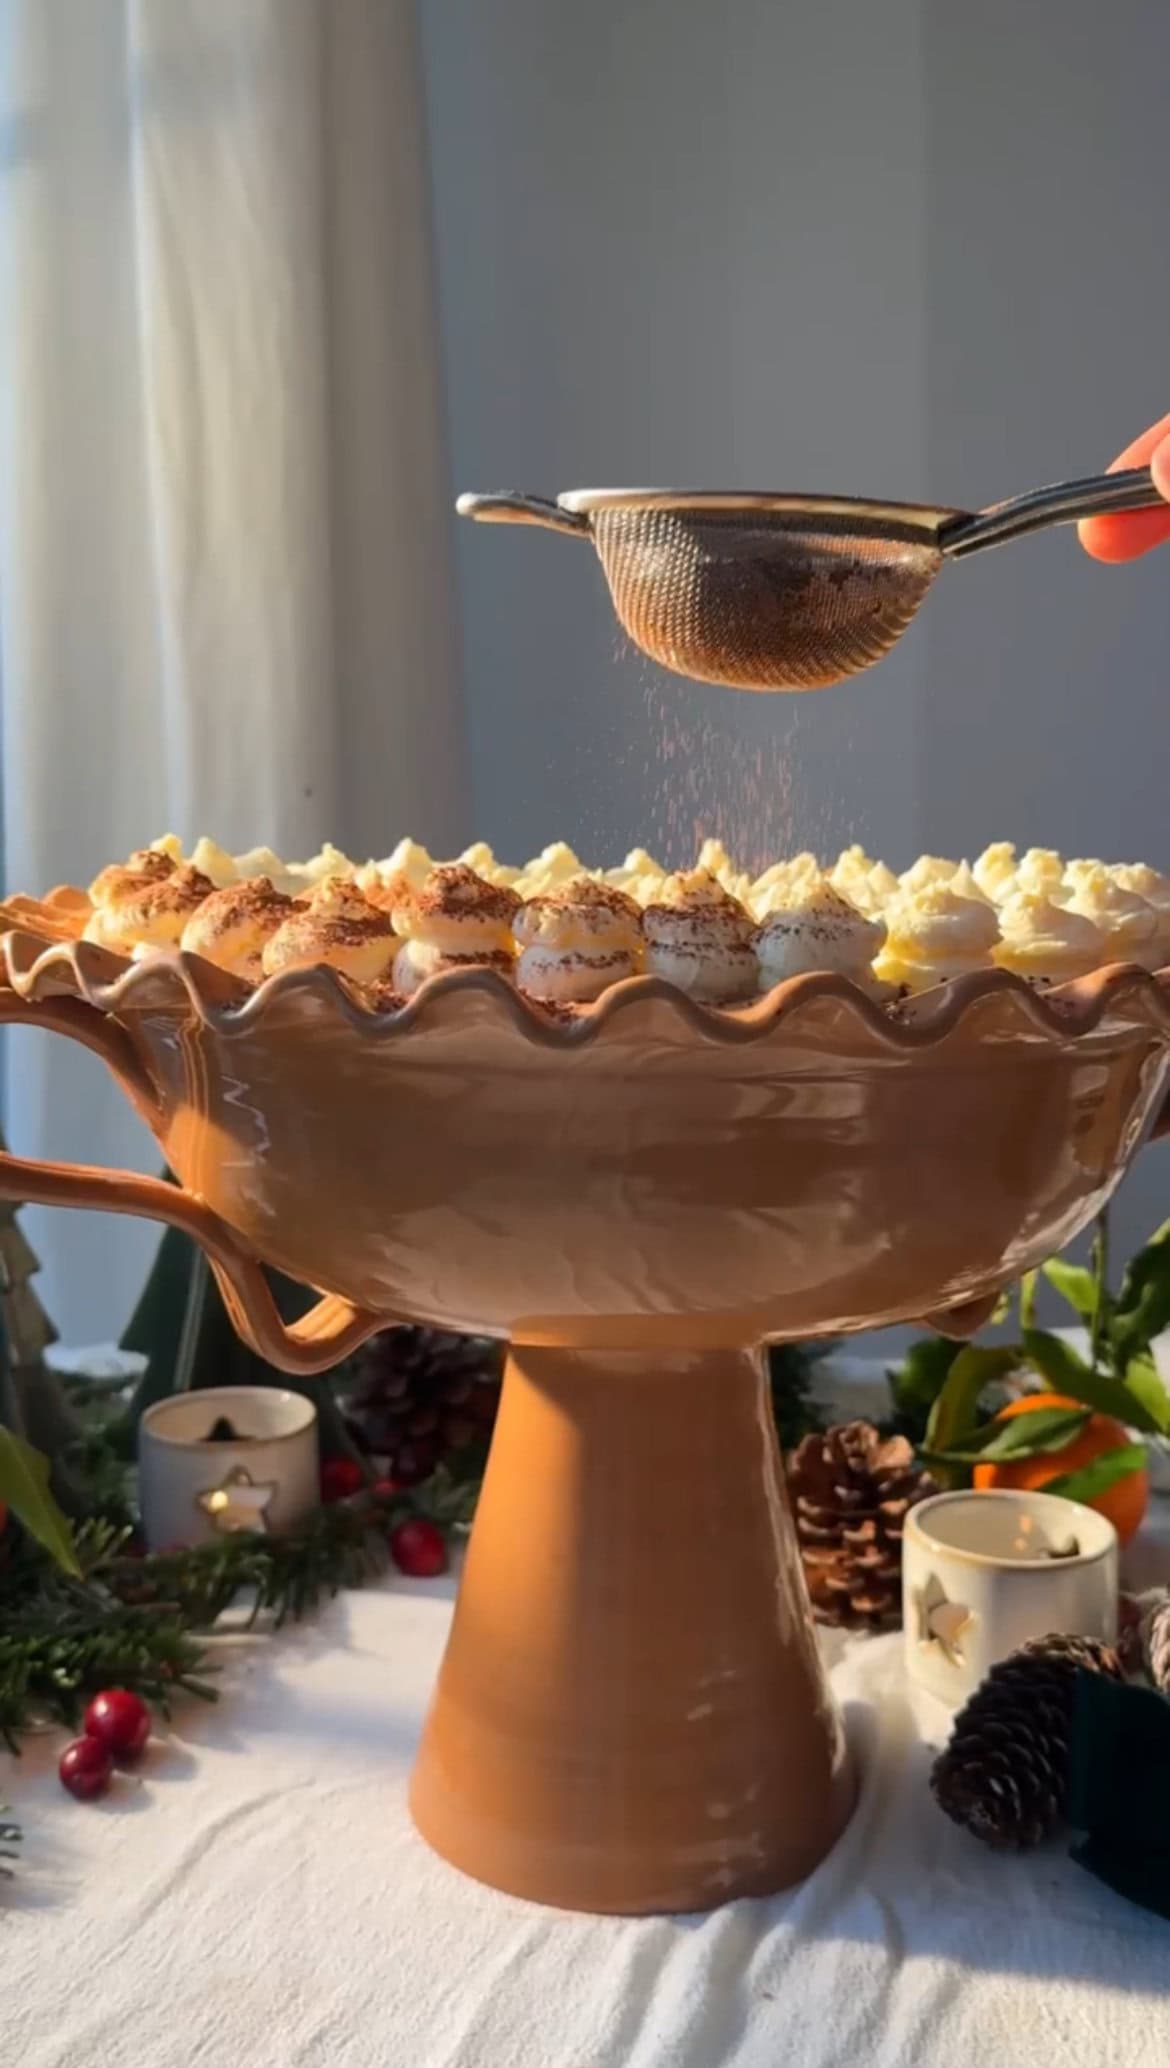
631, 1714
653, 1174
984, 1572
192, 1489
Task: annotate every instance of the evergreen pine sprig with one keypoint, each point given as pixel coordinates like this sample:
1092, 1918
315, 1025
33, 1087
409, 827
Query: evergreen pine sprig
285, 1576
53, 1657
132, 1621
340, 1545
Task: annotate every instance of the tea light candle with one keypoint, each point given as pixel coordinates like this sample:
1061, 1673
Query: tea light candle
223, 1459
984, 1572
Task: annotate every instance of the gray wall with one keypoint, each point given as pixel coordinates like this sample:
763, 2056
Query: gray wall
659, 261
910, 250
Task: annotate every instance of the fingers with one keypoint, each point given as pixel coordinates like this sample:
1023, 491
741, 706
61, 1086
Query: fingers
1115, 539
1126, 538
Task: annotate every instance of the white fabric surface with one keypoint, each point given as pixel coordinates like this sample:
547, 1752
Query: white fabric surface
224, 535
258, 1896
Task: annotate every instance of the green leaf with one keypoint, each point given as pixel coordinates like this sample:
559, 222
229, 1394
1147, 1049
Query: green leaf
1143, 1379
1074, 1284
916, 1383
953, 1414
1142, 1308
1102, 1317
1022, 1436
1068, 1373
1144, 1267
24, 1487
1091, 1480
1028, 1284
1056, 1360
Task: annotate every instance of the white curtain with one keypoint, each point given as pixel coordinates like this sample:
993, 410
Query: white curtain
224, 595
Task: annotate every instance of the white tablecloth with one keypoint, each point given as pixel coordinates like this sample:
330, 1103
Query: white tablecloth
258, 1899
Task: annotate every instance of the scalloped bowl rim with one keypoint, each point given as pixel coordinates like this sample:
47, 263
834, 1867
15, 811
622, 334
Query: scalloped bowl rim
35, 967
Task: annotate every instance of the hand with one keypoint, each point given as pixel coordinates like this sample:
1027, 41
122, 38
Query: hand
1125, 537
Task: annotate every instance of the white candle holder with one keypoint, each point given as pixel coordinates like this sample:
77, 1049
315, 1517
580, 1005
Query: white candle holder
982, 1572
194, 1488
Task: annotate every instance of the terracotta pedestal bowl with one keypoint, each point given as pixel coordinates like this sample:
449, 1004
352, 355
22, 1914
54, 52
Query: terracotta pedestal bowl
631, 1715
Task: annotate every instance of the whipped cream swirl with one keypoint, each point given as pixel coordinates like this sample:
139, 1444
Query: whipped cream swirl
1046, 942
455, 920
869, 885
576, 941
336, 927
1133, 929
819, 929
935, 933
232, 927
143, 912
699, 937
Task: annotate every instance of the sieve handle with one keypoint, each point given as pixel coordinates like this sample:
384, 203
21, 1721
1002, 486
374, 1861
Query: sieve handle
1063, 503
509, 507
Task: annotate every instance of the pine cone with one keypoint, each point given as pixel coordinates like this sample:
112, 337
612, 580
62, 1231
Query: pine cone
850, 1492
1156, 1644
1004, 1774
421, 1395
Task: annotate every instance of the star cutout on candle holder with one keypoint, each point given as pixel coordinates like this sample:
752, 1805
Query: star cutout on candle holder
940, 1621
239, 1502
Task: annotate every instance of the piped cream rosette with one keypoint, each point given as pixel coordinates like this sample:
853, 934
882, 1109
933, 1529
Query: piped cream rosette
337, 927
714, 931
234, 925
640, 876
141, 908
934, 934
867, 884
698, 937
576, 941
1132, 930
818, 929
999, 872
1154, 887
1044, 942
546, 871
455, 920
995, 870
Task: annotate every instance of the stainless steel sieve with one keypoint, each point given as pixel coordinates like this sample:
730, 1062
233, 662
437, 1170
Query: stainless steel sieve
785, 591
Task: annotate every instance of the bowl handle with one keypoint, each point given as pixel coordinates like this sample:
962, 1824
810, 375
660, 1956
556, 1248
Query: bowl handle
321, 1338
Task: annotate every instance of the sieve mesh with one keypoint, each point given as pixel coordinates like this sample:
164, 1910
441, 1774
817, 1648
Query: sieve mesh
760, 601
786, 591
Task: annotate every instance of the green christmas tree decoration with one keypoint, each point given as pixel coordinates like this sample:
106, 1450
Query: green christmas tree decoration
792, 1371
33, 1403
181, 1327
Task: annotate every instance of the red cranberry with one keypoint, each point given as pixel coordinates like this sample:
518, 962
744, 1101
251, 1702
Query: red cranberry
419, 1549
120, 1721
86, 1768
341, 1477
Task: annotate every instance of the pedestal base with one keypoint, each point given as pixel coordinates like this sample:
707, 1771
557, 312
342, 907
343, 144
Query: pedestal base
631, 1715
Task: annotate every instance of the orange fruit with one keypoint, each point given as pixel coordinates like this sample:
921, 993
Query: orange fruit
1124, 1502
